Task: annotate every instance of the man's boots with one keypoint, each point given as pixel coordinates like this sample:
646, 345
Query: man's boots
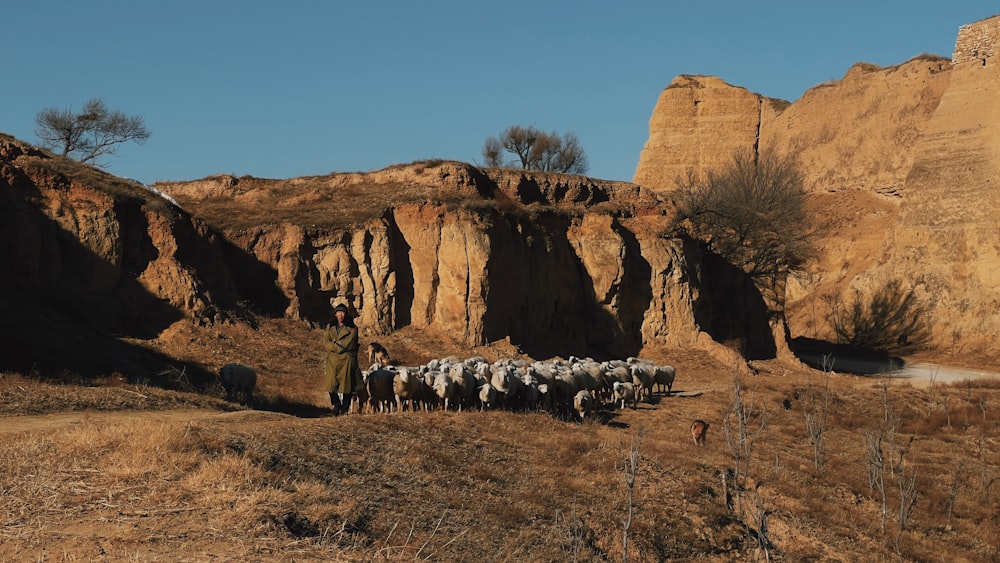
335, 403
345, 403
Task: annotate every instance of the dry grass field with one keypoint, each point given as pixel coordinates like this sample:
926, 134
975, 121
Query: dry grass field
109, 470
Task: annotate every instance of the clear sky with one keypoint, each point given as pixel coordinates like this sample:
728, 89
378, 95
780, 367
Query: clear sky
279, 89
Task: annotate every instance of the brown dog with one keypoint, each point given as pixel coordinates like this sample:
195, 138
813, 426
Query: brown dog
377, 354
699, 429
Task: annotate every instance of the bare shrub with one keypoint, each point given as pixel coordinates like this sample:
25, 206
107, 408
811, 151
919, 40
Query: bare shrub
752, 212
742, 422
630, 467
815, 406
987, 478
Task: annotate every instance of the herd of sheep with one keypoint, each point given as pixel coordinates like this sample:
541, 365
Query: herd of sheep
575, 387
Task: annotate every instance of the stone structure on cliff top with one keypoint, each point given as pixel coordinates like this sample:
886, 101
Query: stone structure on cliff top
903, 166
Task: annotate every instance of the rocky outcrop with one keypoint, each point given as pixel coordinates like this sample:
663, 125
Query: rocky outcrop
697, 124
98, 267
90, 259
900, 165
556, 264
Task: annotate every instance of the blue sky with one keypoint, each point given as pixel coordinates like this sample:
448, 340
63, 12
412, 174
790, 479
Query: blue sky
296, 88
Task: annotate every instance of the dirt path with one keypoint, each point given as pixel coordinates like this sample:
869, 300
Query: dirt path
62, 420
925, 373
917, 373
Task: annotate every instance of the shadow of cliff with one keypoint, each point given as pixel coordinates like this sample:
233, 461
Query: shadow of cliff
542, 297
256, 281
66, 310
399, 262
729, 307
843, 358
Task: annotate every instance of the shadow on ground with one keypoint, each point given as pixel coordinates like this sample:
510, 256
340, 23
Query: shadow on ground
842, 358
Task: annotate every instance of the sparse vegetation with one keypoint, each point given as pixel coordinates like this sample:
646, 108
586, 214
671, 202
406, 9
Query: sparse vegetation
536, 150
752, 212
93, 133
178, 472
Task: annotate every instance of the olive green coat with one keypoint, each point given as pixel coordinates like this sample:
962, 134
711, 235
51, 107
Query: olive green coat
341, 373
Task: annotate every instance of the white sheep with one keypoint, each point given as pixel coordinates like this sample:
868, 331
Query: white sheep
625, 392
642, 378
408, 387
563, 388
238, 380
588, 374
510, 388
531, 395
446, 390
487, 396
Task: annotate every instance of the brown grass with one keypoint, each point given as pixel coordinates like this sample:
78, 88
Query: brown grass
173, 473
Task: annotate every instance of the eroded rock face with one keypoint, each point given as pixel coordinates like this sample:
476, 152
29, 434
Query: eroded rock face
556, 264
900, 162
697, 124
553, 284
946, 243
88, 258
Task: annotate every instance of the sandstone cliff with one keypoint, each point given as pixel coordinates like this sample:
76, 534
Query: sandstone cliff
899, 164
90, 261
554, 264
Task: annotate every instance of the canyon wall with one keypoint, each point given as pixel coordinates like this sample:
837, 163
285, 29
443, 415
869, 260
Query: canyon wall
900, 165
556, 264
91, 261
99, 267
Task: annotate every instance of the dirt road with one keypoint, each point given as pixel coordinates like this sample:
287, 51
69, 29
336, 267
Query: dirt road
62, 420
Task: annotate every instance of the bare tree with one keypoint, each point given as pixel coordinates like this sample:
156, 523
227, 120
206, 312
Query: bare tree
493, 152
91, 134
743, 421
752, 212
536, 150
875, 460
986, 476
565, 154
518, 141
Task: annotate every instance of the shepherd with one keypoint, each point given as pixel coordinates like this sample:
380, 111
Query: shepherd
341, 372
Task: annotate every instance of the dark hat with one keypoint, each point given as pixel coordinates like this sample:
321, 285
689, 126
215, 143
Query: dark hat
340, 307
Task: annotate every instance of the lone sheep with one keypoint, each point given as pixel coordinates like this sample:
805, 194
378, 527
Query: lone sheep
238, 380
377, 354
699, 429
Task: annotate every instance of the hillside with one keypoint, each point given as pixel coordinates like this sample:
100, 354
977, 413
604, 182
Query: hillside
143, 459
121, 302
